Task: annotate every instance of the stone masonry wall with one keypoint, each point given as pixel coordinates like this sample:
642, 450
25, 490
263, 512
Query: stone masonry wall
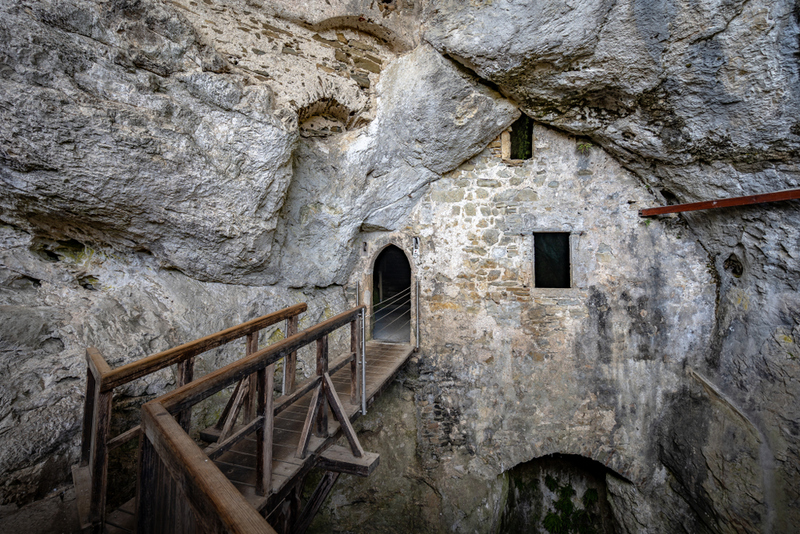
509, 372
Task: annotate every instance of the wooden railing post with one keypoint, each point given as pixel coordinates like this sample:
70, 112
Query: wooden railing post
290, 363
88, 418
322, 368
264, 435
355, 348
101, 425
99, 456
251, 399
185, 375
146, 486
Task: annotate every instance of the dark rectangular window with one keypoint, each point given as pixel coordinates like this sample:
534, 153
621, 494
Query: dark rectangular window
522, 138
551, 259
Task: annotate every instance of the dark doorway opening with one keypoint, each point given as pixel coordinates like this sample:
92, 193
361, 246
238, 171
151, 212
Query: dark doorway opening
391, 296
561, 493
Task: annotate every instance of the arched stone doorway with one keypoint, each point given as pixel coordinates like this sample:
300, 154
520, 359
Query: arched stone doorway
391, 296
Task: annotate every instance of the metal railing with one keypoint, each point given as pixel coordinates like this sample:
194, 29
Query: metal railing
392, 313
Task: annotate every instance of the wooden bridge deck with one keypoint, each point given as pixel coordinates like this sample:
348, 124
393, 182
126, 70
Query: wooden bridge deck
383, 361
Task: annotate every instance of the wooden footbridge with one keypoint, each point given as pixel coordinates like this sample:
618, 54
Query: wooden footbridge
250, 478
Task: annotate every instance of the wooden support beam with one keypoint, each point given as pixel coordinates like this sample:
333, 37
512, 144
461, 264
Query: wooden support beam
788, 194
315, 502
215, 450
355, 365
238, 401
265, 433
252, 392
321, 427
341, 416
185, 375
125, 437
290, 362
99, 455
305, 435
88, 414
342, 460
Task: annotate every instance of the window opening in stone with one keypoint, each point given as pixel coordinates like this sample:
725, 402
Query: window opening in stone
391, 296
551, 259
522, 138
323, 118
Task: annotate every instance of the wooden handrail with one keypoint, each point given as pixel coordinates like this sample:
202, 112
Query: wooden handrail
215, 501
187, 464
202, 388
151, 364
101, 381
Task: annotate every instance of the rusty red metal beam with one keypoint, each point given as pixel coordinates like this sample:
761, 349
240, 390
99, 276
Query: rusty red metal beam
788, 194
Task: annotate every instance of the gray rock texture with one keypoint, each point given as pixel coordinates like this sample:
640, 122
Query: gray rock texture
117, 128
168, 169
430, 118
700, 100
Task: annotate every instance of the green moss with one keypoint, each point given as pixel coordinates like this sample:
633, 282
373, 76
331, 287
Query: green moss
567, 519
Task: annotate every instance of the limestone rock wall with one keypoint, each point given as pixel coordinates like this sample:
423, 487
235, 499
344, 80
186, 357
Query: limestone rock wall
161, 159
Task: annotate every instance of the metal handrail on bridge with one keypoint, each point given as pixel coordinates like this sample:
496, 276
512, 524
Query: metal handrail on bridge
398, 300
171, 463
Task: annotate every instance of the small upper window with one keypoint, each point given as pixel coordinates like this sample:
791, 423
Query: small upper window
551, 259
522, 138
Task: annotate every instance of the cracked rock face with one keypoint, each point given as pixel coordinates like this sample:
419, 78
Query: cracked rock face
159, 159
116, 130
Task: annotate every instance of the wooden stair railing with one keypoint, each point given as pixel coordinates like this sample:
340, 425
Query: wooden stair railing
91, 474
172, 464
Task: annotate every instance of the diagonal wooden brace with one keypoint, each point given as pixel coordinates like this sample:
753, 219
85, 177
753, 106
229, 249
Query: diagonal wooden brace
305, 437
341, 416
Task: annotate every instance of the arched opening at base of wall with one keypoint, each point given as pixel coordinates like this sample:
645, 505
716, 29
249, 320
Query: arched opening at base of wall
391, 296
558, 493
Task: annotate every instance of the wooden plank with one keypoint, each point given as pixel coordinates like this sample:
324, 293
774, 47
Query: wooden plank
251, 399
153, 363
215, 381
123, 438
341, 460
81, 478
355, 364
230, 421
305, 436
265, 434
321, 424
214, 499
88, 413
146, 488
341, 416
315, 502
185, 375
122, 519
290, 363
787, 194
99, 455
286, 401
214, 451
